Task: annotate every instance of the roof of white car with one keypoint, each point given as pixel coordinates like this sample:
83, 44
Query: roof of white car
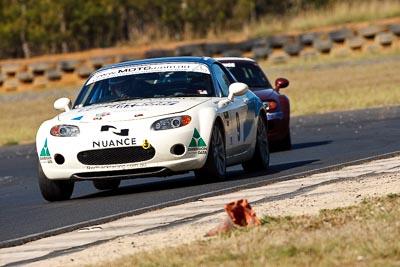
235, 59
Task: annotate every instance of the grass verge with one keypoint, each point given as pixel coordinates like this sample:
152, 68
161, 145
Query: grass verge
362, 235
22, 116
338, 13
340, 84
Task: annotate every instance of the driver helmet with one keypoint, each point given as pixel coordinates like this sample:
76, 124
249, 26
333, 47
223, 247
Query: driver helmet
120, 85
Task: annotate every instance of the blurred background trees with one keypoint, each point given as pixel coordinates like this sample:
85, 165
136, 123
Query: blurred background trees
35, 27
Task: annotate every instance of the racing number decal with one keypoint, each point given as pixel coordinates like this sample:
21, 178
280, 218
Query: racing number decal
238, 126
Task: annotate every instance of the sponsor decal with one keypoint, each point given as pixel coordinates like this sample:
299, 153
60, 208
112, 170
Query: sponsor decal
148, 68
118, 166
143, 104
146, 144
130, 105
122, 132
238, 126
226, 117
229, 65
101, 115
197, 143
45, 155
77, 118
114, 143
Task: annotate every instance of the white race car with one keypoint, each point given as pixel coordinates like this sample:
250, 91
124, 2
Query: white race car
152, 117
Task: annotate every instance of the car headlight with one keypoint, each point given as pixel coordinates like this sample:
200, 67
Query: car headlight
171, 123
64, 131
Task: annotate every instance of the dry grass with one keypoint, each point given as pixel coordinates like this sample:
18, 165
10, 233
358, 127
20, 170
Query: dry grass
342, 85
363, 235
343, 12
21, 119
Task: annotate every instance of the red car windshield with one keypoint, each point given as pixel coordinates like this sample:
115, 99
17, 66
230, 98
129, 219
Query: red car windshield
248, 73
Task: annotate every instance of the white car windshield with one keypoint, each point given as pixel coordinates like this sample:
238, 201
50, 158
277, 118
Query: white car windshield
177, 83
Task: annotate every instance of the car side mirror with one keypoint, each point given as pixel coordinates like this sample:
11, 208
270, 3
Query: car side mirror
63, 104
235, 89
281, 83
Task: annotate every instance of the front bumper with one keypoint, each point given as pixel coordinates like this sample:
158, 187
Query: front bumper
150, 154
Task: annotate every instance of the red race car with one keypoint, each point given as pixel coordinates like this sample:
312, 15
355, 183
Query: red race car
247, 70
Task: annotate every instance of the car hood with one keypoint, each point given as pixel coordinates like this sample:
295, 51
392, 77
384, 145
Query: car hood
132, 110
262, 93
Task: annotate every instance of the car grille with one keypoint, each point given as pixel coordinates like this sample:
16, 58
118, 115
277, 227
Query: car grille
118, 155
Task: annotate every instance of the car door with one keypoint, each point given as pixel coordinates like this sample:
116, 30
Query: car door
235, 116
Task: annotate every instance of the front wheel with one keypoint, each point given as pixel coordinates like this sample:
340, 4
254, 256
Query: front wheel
54, 190
260, 159
215, 166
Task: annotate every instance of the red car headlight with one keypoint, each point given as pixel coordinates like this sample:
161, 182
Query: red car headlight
270, 105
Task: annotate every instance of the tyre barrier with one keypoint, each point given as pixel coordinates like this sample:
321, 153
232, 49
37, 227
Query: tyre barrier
54, 74
84, 71
395, 29
293, 49
127, 57
276, 49
25, 77
11, 69
190, 50
307, 39
371, 30
261, 52
279, 41
384, 38
38, 68
355, 42
68, 66
159, 53
323, 44
232, 53
217, 48
98, 62
339, 36
247, 45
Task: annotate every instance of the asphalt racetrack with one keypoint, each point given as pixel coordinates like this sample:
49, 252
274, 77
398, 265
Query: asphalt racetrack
320, 142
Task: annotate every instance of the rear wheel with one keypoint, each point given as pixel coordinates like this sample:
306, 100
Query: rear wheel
106, 184
260, 159
54, 190
215, 166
